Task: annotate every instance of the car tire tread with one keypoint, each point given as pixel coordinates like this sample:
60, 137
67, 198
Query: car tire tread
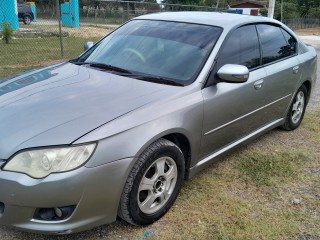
139, 167
289, 125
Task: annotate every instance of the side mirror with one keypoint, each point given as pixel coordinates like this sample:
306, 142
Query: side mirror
88, 45
234, 73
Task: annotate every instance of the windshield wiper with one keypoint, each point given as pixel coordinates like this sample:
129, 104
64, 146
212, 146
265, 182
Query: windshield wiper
101, 66
128, 73
158, 80
109, 67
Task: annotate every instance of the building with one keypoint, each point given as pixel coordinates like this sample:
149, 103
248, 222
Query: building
248, 7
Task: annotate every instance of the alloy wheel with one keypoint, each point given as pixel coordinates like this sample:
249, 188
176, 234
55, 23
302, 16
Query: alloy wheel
157, 185
298, 107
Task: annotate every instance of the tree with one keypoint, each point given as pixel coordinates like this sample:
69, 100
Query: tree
314, 12
290, 9
305, 6
182, 2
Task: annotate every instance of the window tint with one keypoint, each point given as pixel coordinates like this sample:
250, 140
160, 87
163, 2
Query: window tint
291, 41
170, 50
242, 47
273, 44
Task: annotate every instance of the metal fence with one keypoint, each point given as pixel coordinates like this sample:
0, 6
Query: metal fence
303, 22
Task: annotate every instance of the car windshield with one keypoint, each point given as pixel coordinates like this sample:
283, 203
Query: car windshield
156, 50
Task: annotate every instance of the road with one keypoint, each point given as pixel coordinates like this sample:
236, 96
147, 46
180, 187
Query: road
112, 231
315, 42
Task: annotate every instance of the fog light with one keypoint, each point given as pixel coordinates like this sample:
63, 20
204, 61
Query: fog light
54, 214
46, 214
58, 212
1, 207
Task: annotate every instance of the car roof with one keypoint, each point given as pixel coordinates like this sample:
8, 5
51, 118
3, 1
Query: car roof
219, 19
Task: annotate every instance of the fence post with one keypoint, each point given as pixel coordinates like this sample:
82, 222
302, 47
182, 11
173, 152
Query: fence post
127, 11
60, 31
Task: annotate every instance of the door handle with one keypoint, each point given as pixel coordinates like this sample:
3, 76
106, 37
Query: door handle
258, 84
295, 69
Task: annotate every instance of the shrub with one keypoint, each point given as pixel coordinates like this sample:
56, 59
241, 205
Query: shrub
6, 32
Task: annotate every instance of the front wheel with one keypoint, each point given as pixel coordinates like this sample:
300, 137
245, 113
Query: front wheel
297, 110
153, 184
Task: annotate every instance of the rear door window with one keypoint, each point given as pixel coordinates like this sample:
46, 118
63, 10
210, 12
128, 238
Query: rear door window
273, 43
242, 48
291, 41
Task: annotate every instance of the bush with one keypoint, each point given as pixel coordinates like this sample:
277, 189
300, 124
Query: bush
6, 32
264, 12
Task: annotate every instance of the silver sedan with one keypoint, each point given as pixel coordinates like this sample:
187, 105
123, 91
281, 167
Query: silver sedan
116, 131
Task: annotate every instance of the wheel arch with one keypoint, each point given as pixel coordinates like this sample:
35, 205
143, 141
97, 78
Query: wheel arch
27, 15
308, 85
180, 138
183, 143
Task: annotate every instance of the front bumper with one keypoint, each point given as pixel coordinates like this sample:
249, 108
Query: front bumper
95, 191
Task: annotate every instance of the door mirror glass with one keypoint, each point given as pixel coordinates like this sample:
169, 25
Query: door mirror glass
234, 73
88, 45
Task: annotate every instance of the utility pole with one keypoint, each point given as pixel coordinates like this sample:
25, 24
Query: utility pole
60, 31
281, 11
271, 8
217, 6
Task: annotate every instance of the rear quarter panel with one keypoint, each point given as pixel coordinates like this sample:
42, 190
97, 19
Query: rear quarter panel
308, 63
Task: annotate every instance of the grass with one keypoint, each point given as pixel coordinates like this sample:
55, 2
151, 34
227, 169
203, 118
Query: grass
262, 168
247, 196
313, 125
22, 55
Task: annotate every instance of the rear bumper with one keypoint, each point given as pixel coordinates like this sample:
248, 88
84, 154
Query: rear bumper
95, 191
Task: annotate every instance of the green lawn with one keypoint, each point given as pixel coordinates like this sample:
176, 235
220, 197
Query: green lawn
24, 54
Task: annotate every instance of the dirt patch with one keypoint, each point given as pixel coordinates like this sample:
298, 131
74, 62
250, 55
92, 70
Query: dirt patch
87, 32
308, 31
42, 64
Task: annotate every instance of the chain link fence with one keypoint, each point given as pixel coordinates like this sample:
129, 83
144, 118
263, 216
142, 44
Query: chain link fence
303, 22
41, 41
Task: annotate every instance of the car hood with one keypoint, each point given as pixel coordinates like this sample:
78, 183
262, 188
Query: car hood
59, 104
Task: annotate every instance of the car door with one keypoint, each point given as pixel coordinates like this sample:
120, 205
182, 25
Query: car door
232, 110
20, 11
279, 51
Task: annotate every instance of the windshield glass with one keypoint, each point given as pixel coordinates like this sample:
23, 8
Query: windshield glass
166, 50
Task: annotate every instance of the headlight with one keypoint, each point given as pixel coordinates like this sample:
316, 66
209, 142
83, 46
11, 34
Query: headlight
42, 162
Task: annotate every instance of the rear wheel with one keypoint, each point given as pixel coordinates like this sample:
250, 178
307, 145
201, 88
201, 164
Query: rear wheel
297, 110
153, 184
26, 19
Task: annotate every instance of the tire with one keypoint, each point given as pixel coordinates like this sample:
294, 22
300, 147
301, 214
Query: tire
27, 19
153, 184
297, 110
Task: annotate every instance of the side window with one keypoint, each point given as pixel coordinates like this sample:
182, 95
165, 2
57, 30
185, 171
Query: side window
242, 47
291, 41
273, 44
